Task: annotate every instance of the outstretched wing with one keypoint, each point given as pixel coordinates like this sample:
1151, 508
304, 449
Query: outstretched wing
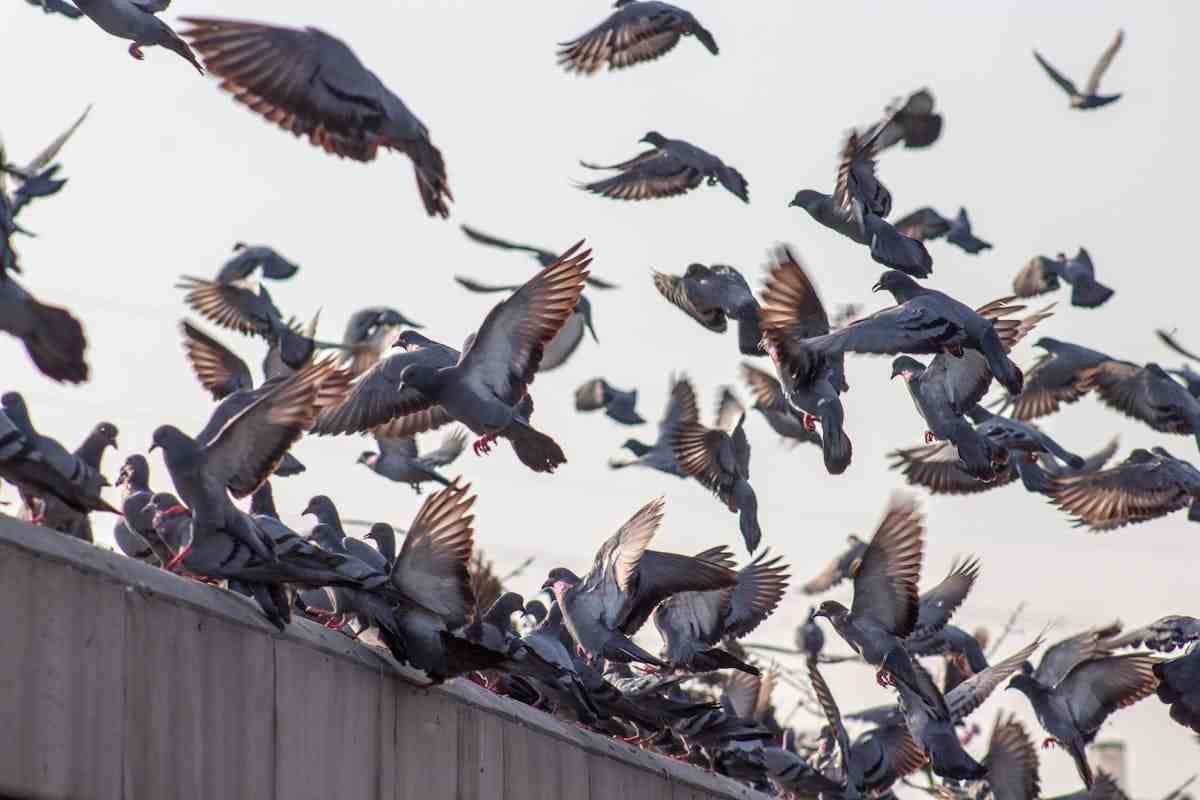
1056, 76
1102, 65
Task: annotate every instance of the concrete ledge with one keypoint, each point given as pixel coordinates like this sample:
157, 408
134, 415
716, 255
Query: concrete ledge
119, 680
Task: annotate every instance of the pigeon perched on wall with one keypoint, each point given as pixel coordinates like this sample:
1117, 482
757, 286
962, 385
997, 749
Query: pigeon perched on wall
639, 30
1089, 97
1042, 275
672, 168
127, 19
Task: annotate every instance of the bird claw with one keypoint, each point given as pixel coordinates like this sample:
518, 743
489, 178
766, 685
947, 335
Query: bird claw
929, 437
135, 50
1049, 743
810, 423
884, 678
483, 445
174, 564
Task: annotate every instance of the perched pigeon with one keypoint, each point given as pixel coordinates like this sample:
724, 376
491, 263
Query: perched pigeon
1147, 394
1012, 761
926, 321
131, 19
1144, 486
912, 122
618, 405
692, 623
486, 388
1075, 688
812, 381
770, 401
134, 531
843, 566
639, 30
673, 167
1164, 635
627, 580
810, 639
312, 84
1053, 380
323, 508
713, 295
53, 337
730, 725
1042, 275
886, 604
57, 7
719, 459
681, 408
398, 459
369, 334
1179, 687
543, 257
1088, 98
925, 224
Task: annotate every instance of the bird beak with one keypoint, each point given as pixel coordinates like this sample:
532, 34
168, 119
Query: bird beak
587, 320
793, 203
153, 447
878, 287
812, 615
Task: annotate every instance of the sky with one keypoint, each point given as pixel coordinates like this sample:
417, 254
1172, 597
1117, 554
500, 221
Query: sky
168, 172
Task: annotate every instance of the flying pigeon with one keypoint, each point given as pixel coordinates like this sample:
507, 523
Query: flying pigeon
485, 387
1147, 394
681, 407
713, 295
1042, 275
618, 405
673, 167
639, 30
770, 401
1093, 463
912, 122
398, 459
136, 20
259, 257
1016, 436
53, 337
812, 381
312, 84
938, 467
1088, 98
1053, 380
1145, 486
541, 255
843, 566
925, 224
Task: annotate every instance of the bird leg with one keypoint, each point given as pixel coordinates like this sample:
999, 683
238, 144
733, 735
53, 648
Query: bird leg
1049, 743
416, 487
929, 437
174, 564
966, 738
810, 423
483, 444
1031, 458
135, 50
884, 678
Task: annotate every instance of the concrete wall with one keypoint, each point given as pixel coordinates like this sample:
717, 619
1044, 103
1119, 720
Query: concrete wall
118, 680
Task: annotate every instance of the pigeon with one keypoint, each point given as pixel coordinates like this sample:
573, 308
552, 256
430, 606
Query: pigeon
56, 514
1179, 687
792, 313
719, 459
1147, 394
618, 405
566, 341
729, 725
1075, 688
323, 508
691, 623
57, 7
398, 458
938, 467
543, 257
770, 401
926, 321
912, 122
681, 407
484, 388
1053, 380
712, 295
854, 765
1012, 761
843, 566
886, 604
1014, 435
1164, 635
369, 334
52, 336
312, 84
219, 369
1093, 463
1088, 98
925, 224
136, 20
810, 639
937, 606
610, 604
792, 775
259, 257
134, 531
1042, 275
1145, 486
639, 30
384, 537
672, 167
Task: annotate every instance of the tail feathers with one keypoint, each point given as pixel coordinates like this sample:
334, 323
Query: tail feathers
430, 171
1089, 294
56, 344
272, 599
583, 700
705, 39
466, 656
1081, 763
625, 650
535, 449
976, 454
835, 447
950, 760
894, 249
717, 658
1001, 366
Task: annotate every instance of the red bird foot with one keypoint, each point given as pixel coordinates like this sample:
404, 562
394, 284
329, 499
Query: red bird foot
810, 423
483, 445
1050, 743
174, 564
929, 437
884, 678
135, 50
1031, 458
966, 738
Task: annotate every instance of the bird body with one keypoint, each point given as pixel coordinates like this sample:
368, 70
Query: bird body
673, 167
398, 459
131, 19
1089, 98
638, 31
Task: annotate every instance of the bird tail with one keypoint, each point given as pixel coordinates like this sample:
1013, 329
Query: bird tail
175, 44
1089, 294
717, 658
835, 444
430, 171
624, 649
1034, 478
56, 344
272, 599
706, 39
950, 760
900, 664
535, 449
894, 249
1001, 366
1081, 763
466, 656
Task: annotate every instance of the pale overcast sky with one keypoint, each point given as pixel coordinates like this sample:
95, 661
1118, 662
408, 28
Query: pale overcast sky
169, 172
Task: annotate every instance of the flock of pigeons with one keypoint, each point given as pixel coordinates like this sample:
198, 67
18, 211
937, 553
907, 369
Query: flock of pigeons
432, 600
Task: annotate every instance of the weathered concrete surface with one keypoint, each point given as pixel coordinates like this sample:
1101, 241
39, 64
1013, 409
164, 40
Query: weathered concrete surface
118, 680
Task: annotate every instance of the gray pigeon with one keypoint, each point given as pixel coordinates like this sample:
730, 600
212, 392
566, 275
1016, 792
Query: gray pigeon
398, 458
486, 387
769, 400
136, 20
692, 623
810, 639
541, 255
1012, 761
925, 224
627, 581
53, 337
853, 768
312, 84
57, 7
327, 514
713, 295
1145, 486
938, 467
54, 513
1164, 635
369, 334
618, 405
218, 368
843, 566
719, 459
384, 537
792, 775
886, 604
256, 257
1042, 275
1147, 394
912, 122
927, 321
1053, 380
639, 30
1075, 688
812, 381
681, 407
134, 532
1088, 98
1017, 436
1179, 687
937, 606
672, 168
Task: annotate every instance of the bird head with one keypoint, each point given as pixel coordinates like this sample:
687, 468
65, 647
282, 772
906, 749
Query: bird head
537, 609
1045, 342
162, 501
390, 316
655, 138
322, 508
560, 575
411, 340
900, 285
807, 199
906, 367
830, 610
239, 246
380, 531
1023, 683
135, 470
173, 441
421, 377
107, 432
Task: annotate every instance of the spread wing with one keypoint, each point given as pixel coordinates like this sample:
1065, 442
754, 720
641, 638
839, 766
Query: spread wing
923, 225
1127, 493
885, 586
764, 388
972, 692
1063, 656
1097, 688
899, 329
630, 36
1102, 65
939, 603
1036, 277
1012, 761
1043, 391
697, 450
937, 468
760, 587
658, 173
431, 568
240, 305
220, 370
1056, 76
675, 289
1130, 389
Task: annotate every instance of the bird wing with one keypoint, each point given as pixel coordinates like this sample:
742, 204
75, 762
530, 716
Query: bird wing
681, 406
658, 173
431, 567
484, 238
923, 225
1169, 340
760, 587
629, 36
834, 572
43, 159
238, 305
729, 410
507, 350
1063, 656
1097, 688
697, 448
592, 395
739, 695
1012, 761
1130, 389
472, 285
1040, 397
937, 468
1055, 75
675, 289
829, 707
885, 585
450, 449
1163, 635
938, 605
1036, 277
217, 367
764, 388
791, 305
899, 329
630, 543
856, 180
1132, 491
966, 378
972, 692
403, 446
1102, 65
250, 446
